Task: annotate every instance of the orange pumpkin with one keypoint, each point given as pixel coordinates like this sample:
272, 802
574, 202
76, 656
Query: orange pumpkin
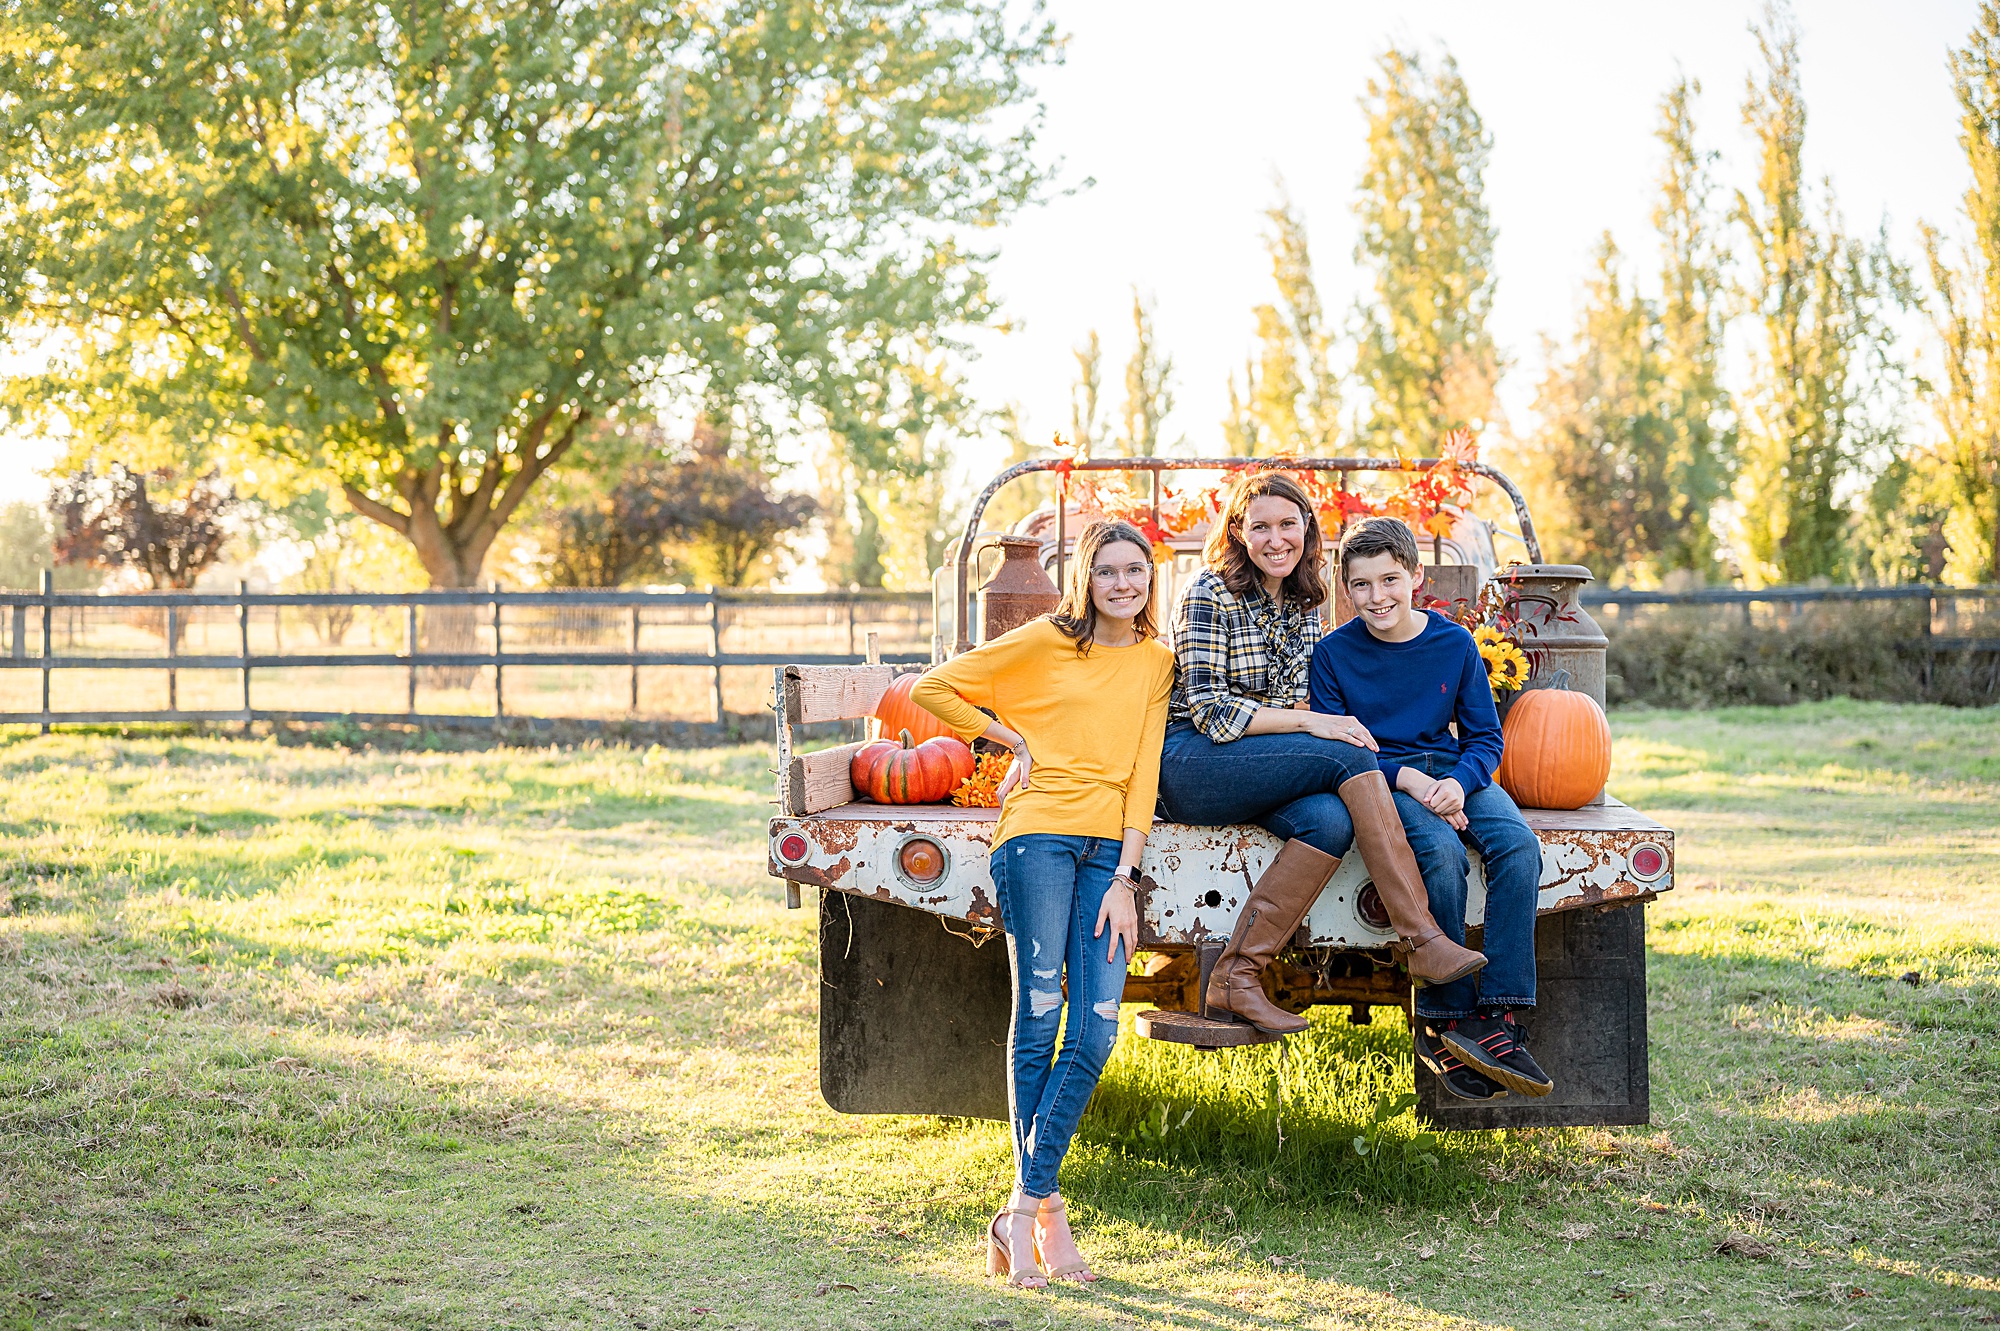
897, 713
1558, 749
889, 772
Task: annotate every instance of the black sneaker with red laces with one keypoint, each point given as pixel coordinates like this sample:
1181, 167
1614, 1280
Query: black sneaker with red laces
1497, 1048
1460, 1080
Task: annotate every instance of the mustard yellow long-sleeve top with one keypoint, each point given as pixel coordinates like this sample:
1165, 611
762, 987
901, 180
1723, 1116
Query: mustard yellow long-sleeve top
1094, 725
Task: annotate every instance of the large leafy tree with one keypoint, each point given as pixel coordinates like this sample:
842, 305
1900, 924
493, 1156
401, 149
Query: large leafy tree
419, 248
1424, 357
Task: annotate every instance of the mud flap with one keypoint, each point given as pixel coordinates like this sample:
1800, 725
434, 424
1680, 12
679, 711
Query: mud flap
1588, 1030
912, 1019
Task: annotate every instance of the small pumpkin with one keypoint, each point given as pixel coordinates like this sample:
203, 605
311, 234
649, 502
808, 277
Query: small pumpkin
892, 772
1557, 748
897, 713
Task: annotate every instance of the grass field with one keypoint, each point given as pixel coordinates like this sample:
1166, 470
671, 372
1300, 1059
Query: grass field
305, 1037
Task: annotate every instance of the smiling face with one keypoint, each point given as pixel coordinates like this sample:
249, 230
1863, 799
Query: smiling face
1274, 532
1381, 590
1121, 582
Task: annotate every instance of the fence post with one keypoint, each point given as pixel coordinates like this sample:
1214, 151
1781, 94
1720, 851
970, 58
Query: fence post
48, 640
850, 628
635, 652
874, 649
410, 648
715, 650
20, 632
173, 650
1930, 654
243, 643
499, 690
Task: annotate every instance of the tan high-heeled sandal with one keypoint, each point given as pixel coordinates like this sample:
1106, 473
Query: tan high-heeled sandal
1079, 1270
1000, 1254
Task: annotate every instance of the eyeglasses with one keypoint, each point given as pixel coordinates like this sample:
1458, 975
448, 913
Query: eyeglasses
1105, 576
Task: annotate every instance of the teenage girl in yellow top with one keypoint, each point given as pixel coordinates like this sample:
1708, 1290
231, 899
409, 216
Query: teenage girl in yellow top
1082, 699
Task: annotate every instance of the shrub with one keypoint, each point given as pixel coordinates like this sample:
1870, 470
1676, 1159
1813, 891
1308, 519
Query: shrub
1773, 653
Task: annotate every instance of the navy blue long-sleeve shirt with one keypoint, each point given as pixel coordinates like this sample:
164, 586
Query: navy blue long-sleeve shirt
1409, 693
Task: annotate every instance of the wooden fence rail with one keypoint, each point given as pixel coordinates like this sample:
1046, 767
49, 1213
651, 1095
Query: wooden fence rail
1949, 607
707, 616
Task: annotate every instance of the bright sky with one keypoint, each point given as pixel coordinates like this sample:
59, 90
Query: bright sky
1183, 118
1182, 114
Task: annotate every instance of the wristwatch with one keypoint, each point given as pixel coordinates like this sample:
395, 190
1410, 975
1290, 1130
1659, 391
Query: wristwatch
1129, 874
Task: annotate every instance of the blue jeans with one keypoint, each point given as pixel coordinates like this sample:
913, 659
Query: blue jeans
1513, 858
1050, 890
1285, 784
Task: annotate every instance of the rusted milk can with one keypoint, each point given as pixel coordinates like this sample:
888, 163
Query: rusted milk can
1556, 631
1018, 590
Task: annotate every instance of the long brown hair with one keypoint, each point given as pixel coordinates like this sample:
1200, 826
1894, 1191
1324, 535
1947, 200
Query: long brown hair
1076, 615
1230, 557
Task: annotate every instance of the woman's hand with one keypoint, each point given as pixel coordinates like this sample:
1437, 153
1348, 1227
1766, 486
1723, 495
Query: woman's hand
1120, 911
1343, 728
1017, 772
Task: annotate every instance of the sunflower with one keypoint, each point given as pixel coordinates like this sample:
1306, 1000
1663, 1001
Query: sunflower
1506, 664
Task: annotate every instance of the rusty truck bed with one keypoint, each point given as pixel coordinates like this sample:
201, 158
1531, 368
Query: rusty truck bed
1193, 880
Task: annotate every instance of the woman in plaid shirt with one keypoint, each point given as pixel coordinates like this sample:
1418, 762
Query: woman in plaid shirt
1241, 747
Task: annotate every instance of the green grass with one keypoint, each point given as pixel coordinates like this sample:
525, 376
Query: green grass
301, 1037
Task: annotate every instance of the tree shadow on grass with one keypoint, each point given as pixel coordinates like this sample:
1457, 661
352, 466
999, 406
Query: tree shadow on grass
275, 1176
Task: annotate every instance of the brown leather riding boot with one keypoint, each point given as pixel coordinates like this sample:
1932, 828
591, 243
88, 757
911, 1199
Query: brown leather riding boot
1280, 899
1378, 835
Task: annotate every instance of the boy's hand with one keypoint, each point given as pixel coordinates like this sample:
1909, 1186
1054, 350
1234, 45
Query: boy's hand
1414, 783
1446, 799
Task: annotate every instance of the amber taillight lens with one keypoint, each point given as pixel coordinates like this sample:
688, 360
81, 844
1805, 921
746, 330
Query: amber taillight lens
922, 860
1369, 906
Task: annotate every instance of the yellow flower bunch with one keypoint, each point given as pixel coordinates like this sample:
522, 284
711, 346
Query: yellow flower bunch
1506, 664
978, 790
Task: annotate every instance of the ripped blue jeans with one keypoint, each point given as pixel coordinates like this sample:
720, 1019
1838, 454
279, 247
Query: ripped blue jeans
1051, 887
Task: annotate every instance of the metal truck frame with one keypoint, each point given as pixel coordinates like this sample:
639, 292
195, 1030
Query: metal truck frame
914, 1007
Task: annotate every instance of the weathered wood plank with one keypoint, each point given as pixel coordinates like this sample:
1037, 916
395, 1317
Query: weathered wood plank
834, 692
817, 781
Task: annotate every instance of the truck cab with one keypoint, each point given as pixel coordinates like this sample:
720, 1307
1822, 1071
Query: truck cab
914, 987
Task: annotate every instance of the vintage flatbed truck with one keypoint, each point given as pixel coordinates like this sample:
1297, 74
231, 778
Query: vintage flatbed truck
914, 988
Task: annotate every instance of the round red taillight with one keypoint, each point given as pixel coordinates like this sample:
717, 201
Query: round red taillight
1370, 908
921, 860
792, 848
1648, 862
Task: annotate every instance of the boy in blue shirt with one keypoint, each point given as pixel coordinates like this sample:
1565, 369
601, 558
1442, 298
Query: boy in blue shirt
1408, 676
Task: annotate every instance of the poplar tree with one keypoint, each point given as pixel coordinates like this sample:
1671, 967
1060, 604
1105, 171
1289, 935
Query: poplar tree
1289, 399
1967, 315
1821, 298
1424, 358
1603, 437
1699, 433
1149, 392
1086, 419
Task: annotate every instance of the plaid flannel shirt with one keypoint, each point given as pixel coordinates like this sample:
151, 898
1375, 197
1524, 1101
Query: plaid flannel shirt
1236, 654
